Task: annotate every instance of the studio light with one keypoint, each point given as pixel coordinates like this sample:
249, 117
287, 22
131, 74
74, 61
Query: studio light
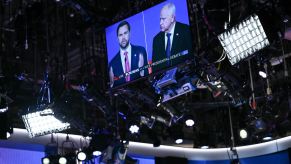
81, 156
62, 160
43, 122
45, 160
56, 158
268, 138
8, 135
178, 137
133, 125
204, 147
134, 129
159, 101
263, 74
244, 39
176, 132
179, 141
97, 153
189, 122
243, 134
158, 104
4, 109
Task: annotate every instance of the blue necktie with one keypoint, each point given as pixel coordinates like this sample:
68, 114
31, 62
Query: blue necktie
168, 47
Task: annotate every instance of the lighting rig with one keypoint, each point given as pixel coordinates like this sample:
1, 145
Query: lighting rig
42, 120
244, 39
239, 43
172, 85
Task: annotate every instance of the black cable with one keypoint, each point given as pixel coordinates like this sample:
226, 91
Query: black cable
229, 12
195, 9
232, 148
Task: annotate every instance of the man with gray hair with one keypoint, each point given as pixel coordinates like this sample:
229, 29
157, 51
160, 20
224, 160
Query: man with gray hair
173, 44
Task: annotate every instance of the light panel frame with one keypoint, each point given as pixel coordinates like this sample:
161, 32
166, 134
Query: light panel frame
43, 122
244, 39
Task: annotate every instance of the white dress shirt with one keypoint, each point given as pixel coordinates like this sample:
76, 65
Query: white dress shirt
171, 37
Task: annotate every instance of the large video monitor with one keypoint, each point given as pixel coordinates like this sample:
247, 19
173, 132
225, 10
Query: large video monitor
149, 42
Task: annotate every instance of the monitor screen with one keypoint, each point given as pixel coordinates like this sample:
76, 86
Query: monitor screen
149, 42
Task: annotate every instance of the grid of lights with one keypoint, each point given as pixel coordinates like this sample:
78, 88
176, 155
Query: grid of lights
244, 39
43, 122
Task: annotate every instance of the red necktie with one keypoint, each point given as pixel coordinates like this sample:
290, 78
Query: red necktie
127, 68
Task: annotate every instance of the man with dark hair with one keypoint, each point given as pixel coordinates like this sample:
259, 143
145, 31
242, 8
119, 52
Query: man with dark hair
173, 44
124, 66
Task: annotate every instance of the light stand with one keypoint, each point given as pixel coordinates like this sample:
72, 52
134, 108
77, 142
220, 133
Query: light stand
234, 156
43, 121
253, 99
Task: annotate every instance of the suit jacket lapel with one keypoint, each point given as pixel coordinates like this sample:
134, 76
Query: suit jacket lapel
163, 46
133, 58
175, 40
120, 65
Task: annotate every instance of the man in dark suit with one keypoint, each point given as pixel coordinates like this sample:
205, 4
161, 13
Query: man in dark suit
173, 44
126, 64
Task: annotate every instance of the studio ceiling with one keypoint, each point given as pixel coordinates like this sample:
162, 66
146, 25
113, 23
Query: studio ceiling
66, 38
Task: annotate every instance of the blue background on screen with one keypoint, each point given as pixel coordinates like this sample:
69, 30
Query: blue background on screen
146, 22
136, 35
152, 21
